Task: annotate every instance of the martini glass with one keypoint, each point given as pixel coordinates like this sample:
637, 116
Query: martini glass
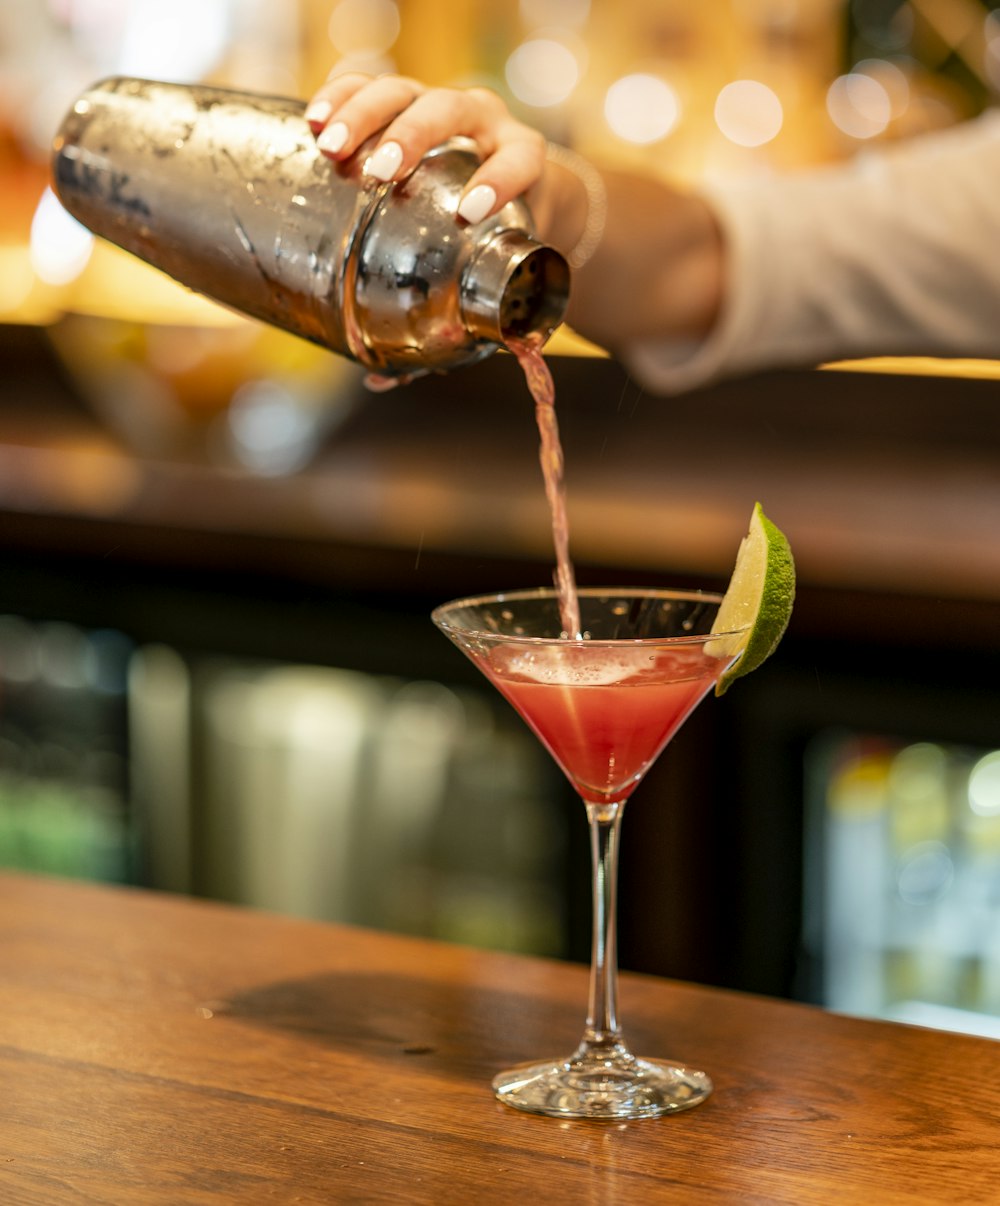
604, 705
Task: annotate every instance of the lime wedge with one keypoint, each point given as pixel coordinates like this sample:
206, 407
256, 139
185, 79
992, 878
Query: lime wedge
758, 601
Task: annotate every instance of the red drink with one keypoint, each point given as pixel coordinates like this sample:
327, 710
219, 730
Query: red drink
604, 707
550, 454
603, 713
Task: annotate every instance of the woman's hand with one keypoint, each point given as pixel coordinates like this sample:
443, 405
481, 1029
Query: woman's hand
647, 260
411, 118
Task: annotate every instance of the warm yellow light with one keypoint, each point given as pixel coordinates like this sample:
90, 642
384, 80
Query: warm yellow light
892, 78
17, 280
542, 72
554, 14
364, 27
641, 108
748, 113
858, 105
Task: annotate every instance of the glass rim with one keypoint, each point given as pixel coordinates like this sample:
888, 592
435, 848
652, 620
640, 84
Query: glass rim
439, 615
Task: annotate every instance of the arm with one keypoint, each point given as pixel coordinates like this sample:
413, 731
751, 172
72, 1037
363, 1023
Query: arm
892, 253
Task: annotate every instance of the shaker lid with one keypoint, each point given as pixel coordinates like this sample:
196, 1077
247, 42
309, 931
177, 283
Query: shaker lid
514, 286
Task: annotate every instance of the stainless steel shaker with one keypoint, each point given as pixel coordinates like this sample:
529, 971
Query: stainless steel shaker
227, 193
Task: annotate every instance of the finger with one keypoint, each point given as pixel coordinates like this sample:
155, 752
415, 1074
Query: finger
511, 170
359, 112
426, 122
442, 113
331, 95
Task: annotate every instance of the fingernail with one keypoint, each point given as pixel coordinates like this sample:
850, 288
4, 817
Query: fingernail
386, 161
333, 137
475, 205
318, 112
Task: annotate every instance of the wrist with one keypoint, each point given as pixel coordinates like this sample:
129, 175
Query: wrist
560, 204
659, 270
701, 266
587, 217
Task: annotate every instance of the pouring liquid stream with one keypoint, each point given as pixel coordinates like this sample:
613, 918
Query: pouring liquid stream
542, 389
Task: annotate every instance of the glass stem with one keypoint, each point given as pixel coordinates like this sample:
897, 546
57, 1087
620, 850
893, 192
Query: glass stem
603, 1032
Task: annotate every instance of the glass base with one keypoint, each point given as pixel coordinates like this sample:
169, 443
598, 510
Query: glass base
603, 1086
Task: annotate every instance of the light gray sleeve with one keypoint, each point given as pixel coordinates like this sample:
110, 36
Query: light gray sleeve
893, 253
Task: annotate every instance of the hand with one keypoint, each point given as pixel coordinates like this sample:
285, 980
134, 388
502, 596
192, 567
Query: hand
411, 119
656, 272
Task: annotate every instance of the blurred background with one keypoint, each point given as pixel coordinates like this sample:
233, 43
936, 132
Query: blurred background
217, 675
733, 86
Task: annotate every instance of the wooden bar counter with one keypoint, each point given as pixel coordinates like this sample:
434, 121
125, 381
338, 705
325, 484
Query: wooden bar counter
160, 1049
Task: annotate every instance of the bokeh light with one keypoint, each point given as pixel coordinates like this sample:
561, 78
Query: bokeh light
364, 27
984, 786
271, 432
893, 79
60, 245
641, 108
157, 43
748, 113
542, 72
925, 873
554, 14
859, 105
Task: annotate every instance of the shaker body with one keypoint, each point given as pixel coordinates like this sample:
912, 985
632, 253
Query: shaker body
227, 193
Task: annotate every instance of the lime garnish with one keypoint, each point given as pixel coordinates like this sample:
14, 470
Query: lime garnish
758, 601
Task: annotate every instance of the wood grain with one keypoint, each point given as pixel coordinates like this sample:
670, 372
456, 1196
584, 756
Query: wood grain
156, 1049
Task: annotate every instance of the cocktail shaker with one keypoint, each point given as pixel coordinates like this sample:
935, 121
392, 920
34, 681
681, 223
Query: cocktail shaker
227, 193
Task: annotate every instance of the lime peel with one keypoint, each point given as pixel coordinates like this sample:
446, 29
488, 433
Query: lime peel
758, 604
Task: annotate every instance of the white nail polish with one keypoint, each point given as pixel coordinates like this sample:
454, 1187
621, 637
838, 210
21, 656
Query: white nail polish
477, 204
318, 111
333, 137
385, 163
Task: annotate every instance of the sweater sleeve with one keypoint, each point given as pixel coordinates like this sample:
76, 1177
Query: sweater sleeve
893, 253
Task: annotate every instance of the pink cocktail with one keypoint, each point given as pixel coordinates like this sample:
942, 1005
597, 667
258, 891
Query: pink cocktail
604, 715
604, 703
